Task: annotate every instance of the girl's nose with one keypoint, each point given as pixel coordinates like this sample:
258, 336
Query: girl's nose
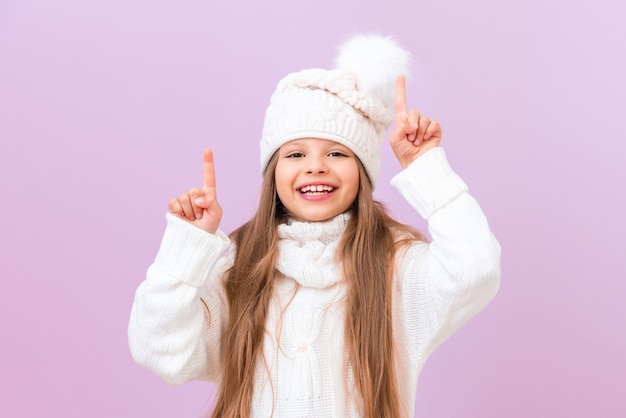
316, 165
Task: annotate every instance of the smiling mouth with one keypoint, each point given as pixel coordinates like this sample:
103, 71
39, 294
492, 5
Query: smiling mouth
316, 190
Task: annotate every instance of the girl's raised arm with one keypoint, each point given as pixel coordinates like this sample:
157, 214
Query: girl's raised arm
448, 281
180, 310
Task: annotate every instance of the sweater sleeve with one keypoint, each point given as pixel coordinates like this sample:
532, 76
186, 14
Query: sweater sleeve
180, 311
444, 283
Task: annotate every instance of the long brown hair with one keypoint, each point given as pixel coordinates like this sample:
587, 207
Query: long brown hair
367, 250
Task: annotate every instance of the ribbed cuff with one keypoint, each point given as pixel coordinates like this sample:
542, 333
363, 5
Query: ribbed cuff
429, 183
188, 253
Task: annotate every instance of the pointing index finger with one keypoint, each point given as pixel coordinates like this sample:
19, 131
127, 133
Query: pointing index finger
400, 96
209, 172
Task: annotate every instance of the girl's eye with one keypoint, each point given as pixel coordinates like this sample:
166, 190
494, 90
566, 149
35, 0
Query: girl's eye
295, 155
337, 154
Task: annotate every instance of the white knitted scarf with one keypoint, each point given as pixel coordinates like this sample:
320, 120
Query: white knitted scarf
307, 251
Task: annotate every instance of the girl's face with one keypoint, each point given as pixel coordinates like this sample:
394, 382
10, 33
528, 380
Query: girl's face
316, 179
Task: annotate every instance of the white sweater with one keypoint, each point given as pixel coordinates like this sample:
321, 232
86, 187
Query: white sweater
438, 287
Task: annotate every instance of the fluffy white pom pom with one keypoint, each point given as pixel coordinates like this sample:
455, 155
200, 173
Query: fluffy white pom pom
377, 62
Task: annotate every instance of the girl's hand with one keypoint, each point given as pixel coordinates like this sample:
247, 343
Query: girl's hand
414, 134
199, 206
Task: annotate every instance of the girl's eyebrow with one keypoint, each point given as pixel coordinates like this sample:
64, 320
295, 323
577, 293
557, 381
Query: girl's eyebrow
301, 144
341, 148
295, 143
290, 147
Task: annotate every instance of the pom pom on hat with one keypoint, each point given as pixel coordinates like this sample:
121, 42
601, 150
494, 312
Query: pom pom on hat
376, 63
352, 104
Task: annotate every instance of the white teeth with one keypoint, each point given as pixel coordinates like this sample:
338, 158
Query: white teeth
316, 188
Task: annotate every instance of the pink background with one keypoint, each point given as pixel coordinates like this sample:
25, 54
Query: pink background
105, 107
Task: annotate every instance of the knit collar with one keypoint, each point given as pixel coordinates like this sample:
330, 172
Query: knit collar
307, 251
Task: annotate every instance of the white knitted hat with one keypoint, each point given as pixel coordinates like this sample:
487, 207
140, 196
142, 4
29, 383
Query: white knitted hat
352, 104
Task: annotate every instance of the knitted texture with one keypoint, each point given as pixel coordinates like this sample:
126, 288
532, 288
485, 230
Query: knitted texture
308, 251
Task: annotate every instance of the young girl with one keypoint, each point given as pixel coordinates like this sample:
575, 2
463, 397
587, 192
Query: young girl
321, 305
